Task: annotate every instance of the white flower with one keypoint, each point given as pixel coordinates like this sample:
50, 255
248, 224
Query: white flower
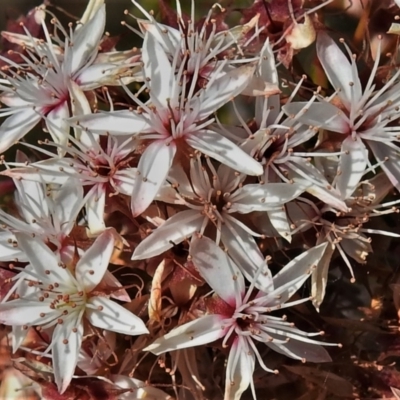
361, 115
63, 297
175, 119
103, 167
51, 83
242, 322
214, 199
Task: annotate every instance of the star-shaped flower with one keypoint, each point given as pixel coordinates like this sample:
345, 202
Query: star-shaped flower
65, 295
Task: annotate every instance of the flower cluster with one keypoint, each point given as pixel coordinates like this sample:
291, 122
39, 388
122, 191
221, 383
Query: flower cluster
177, 197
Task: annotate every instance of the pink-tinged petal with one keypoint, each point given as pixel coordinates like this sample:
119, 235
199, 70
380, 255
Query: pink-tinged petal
94, 263
319, 277
389, 156
221, 90
239, 369
340, 72
157, 67
244, 251
122, 122
66, 344
319, 114
25, 312
139, 389
218, 270
180, 226
107, 314
201, 331
95, 204
57, 125
256, 197
153, 168
16, 126
223, 150
290, 278
352, 165
44, 261
69, 202
86, 39
299, 350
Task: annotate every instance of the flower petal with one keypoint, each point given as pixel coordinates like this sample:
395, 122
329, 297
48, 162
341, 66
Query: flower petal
86, 39
107, 314
239, 369
57, 125
256, 197
94, 262
153, 168
244, 251
157, 67
66, 344
173, 231
340, 72
352, 166
45, 263
195, 333
95, 204
290, 278
321, 115
122, 122
218, 270
16, 126
222, 149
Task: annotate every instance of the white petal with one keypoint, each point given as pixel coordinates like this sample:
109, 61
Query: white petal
79, 106
307, 351
68, 202
339, 70
246, 254
16, 126
173, 231
57, 125
86, 39
25, 312
66, 345
158, 68
94, 262
223, 150
279, 221
352, 166
153, 168
319, 114
219, 91
44, 260
290, 278
53, 170
95, 203
239, 369
218, 270
195, 333
391, 166
107, 314
122, 122
256, 197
